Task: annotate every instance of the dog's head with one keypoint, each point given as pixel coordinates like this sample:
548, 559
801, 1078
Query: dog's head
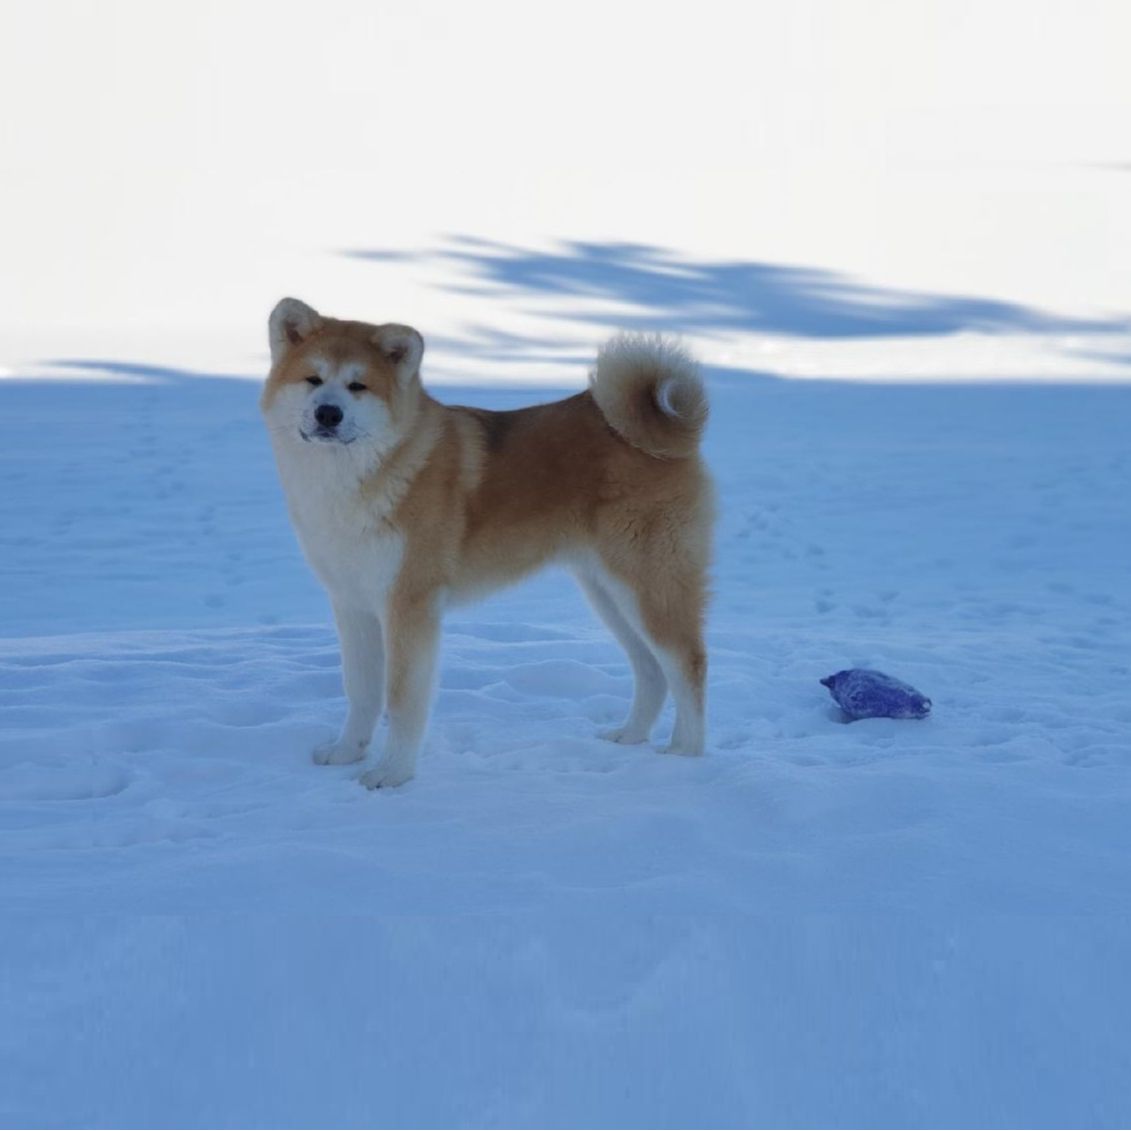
340, 383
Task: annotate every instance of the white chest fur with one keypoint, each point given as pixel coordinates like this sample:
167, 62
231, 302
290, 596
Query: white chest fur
343, 533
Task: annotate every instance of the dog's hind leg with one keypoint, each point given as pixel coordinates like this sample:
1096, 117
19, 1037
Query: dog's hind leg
686, 667
650, 685
363, 673
679, 648
665, 607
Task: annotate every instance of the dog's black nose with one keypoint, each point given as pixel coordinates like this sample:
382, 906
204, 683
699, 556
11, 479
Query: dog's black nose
328, 415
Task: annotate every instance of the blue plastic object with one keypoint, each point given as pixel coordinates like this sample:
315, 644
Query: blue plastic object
865, 694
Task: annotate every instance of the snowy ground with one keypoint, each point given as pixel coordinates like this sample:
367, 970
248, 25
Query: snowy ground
910, 293
819, 923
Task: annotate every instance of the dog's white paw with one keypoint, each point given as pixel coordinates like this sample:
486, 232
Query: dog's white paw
387, 774
338, 753
685, 750
627, 736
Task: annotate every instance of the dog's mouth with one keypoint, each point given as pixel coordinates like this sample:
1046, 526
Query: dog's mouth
324, 436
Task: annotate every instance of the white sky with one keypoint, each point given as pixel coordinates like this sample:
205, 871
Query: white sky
178, 166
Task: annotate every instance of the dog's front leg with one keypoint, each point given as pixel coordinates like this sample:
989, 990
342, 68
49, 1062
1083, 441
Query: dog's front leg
363, 673
413, 637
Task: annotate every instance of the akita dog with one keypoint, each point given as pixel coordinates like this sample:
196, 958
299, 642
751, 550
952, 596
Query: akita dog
404, 506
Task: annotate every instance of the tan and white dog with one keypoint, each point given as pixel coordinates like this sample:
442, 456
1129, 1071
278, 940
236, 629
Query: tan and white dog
404, 506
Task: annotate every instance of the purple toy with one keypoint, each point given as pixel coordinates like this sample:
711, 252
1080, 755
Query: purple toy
864, 694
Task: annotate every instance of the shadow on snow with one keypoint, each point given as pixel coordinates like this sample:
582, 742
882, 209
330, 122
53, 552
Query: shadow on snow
669, 292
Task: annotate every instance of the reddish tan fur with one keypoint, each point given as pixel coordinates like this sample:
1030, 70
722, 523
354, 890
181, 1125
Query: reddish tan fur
480, 498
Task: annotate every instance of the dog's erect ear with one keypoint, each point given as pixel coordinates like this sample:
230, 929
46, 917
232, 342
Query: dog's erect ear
402, 345
291, 323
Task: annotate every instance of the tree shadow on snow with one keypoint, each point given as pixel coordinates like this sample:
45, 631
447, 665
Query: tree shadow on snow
670, 291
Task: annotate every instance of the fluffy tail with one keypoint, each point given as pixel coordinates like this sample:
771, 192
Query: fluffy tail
650, 391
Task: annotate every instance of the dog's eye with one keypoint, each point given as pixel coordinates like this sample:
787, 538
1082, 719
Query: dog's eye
356, 387
314, 380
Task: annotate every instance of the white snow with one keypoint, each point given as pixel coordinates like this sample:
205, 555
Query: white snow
882, 923
879, 923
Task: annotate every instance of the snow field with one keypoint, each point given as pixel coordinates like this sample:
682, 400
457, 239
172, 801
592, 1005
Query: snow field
819, 923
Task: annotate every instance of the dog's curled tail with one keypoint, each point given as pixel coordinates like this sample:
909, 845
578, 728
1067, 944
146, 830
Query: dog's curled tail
650, 391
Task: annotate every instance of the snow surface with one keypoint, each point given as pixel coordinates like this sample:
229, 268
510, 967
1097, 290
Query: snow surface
818, 923
895, 234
